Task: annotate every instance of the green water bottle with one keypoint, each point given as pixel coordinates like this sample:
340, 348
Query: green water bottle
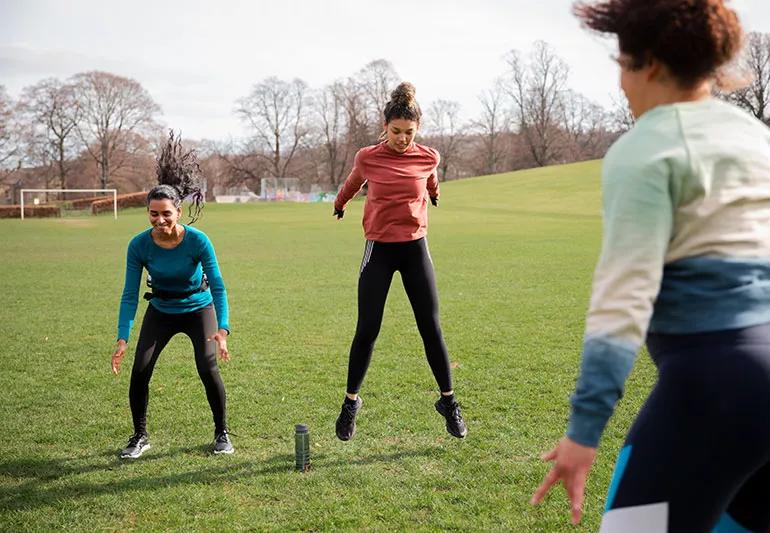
302, 447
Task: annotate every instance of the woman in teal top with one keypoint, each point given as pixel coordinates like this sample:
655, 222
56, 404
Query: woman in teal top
684, 267
188, 296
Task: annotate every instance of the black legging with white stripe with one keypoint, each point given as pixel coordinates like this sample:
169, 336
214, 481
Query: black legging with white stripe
381, 260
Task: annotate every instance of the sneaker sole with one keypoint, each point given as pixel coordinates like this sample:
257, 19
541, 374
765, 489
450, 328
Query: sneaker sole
224, 452
136, 456
345, 439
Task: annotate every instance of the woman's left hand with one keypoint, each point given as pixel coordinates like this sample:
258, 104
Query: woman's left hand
220, 337
571, 464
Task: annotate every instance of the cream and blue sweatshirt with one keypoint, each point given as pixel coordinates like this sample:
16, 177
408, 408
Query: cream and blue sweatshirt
686, 243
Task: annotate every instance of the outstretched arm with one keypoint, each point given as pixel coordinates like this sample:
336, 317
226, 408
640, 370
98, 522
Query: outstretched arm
350, 188
219, 294
638, 220
433, 187
128, 303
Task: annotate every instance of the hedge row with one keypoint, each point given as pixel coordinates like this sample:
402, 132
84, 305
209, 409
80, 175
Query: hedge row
134, 199
37, 211
85, 203
98, 205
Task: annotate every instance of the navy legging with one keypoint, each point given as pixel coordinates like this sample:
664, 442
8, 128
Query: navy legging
697, 457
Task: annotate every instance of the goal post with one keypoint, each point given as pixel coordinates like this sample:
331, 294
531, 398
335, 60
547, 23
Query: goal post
113, 192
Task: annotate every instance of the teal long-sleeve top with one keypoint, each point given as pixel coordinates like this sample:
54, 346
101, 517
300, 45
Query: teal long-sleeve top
179, 269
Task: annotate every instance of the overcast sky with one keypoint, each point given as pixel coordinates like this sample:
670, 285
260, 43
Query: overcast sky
197, 57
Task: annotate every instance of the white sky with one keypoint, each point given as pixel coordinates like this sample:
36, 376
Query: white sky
197, 57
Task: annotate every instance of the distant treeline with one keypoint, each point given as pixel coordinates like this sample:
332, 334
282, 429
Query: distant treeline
98, 129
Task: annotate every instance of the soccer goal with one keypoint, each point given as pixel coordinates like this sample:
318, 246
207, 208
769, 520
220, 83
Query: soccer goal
279, 189
41, 197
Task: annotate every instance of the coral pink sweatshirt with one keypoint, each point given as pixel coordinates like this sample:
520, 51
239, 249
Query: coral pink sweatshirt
396, 207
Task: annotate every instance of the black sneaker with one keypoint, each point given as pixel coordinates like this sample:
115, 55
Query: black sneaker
455, 424
137, 443
222, 443
346, 422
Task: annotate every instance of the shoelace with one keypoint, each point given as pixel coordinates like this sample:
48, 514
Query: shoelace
454, 412
134, 439
348, 413
223, 437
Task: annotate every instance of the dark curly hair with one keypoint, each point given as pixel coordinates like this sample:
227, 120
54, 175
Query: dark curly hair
402, 104
693, 38
179, 177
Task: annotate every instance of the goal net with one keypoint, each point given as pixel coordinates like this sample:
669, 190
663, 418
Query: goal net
280, 189
64, 202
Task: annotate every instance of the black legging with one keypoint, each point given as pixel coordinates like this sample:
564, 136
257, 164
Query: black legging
412, 260
157, 330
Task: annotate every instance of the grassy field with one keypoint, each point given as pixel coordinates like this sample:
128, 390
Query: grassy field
514, 255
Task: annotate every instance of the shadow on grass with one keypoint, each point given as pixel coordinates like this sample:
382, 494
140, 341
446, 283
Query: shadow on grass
320, 461
48, 482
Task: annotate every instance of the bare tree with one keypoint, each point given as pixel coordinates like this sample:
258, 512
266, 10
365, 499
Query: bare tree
113, 109
331, 112
585, 126
537, 87
621, 119
8, 143
11, 156
491, 127
51, 115
753, 66
359, 133
442, 127
376, 81
276, 110
232, 164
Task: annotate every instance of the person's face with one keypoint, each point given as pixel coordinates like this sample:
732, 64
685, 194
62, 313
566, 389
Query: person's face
163, 215
641, 84
400, 133
633, 81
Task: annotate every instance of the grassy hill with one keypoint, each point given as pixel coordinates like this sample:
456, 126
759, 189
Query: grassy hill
513, 254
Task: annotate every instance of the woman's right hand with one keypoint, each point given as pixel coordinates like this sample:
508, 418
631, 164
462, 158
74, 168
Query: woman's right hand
117, 356
571, 465
339, 213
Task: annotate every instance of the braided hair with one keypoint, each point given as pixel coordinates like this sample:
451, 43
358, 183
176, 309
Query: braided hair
179, 177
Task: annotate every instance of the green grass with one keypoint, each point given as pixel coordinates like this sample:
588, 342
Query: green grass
514, 255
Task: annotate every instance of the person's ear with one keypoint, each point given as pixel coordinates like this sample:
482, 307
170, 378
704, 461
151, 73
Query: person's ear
655, 70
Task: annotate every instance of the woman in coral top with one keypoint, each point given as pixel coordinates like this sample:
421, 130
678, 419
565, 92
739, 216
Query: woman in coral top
401, 175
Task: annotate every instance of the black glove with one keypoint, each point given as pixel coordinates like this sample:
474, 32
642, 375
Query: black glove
434, 201
339, 213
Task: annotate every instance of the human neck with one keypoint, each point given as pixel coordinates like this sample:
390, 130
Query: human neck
665, 94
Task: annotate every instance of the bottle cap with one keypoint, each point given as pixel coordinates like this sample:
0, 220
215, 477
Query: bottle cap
300, 428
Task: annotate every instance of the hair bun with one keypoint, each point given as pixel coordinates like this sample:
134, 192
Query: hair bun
405, 92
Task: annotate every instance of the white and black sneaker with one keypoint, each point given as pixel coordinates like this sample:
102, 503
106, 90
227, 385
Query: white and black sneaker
346, 422
137, 444
222, 443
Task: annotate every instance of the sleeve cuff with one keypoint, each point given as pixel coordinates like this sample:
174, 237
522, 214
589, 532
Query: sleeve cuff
586, 427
